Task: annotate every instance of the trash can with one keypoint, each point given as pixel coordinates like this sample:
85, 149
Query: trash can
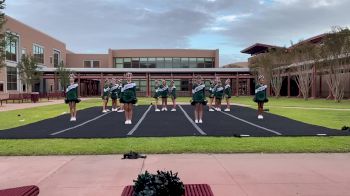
34, 96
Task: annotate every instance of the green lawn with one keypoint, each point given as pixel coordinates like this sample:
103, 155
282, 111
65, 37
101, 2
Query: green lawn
328, 118
175, 145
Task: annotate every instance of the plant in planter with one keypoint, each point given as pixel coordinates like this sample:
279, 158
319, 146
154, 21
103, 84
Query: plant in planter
160, 184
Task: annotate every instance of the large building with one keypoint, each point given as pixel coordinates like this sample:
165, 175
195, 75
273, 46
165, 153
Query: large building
319, 87
92, 70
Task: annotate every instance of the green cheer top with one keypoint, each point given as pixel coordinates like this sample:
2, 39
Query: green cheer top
219, 92
228, 91
198, 93
260, 93
114, 91
72, 94
106, 91
128, 93
163, 91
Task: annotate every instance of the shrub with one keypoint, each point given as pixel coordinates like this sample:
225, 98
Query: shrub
160, 184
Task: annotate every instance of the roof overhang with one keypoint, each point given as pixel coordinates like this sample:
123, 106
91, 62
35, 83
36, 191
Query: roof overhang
150, 70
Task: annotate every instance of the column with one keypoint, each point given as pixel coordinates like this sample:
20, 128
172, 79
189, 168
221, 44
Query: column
288, 85
248, 86
237, 84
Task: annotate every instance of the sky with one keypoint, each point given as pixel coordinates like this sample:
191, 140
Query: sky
94, 26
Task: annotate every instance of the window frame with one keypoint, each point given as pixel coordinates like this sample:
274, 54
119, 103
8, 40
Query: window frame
33, 52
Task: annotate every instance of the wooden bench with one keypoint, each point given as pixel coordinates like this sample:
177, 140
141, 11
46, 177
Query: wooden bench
190, 190
21, 191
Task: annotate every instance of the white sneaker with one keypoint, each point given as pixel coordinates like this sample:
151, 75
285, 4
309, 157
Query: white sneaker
71, 119
173, 110
211, 110
157, 110
227, 110
112, 109
260, 117
126, 122
200, 121
218, 109
104, 111
121, 110
165, 109
74, 119
108, 110
196, 121
130, 122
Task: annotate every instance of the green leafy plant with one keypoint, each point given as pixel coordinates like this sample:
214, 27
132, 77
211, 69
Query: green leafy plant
160, 184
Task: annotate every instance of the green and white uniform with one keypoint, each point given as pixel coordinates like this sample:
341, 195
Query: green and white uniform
260, 93
106, 92
114, 91
172, 92
156, 92
211, 90
219, 92
198, 94
163, 91
228, 91
72, 94
128, 93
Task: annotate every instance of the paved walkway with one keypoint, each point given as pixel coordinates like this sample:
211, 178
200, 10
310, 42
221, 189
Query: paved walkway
16, 106
227, 174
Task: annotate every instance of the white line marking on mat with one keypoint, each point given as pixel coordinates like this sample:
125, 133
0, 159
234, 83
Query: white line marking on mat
255, 125
321, 134
191, 121
139, 122
79, 125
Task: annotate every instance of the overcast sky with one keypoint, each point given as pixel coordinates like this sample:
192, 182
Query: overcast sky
93, 26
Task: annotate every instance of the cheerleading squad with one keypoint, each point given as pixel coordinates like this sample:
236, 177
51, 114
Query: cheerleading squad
125, 92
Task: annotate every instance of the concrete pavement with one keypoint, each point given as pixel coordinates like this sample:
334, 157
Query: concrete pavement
227, 174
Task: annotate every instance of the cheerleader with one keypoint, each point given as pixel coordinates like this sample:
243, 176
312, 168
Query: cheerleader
212, 86
228, 94
198, 99
105, 96
114, 94
260, 95
156, 95
172, 93
128, 97
72, 97
163, 92
219, 92
121, 108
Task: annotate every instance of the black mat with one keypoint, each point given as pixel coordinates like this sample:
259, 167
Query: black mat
91, 123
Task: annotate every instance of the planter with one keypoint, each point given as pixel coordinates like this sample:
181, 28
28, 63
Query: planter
190, 190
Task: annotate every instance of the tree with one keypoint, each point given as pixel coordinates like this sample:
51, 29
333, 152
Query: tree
63, 75
28, 71
304, 56
280, 59
334, 55
2, 35
262, 65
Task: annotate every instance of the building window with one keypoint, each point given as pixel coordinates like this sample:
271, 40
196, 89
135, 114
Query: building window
135, 63
91, 64
127, 63
56, 58
95, 64
11, 78
24, 53
11, 47
1, 87
87, 64
38, 53
118, 63
208, 63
